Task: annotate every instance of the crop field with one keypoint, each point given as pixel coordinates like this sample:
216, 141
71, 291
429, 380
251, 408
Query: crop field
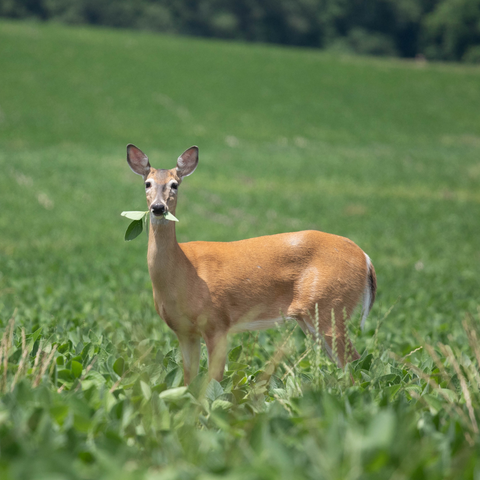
384, 152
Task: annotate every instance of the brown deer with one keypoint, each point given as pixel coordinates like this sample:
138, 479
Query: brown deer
208, 289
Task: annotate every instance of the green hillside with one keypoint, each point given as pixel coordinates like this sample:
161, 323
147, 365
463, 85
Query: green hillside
384, 152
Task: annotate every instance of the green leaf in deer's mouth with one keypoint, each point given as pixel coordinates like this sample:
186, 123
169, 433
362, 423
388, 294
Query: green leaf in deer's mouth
134, 215
134, 230
170, 217
136, 227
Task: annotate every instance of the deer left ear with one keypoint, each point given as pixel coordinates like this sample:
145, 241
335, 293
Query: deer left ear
187, 162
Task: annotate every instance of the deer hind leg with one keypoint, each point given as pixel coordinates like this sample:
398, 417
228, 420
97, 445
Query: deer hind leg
333, 334
217, 355
190, 348
340, 349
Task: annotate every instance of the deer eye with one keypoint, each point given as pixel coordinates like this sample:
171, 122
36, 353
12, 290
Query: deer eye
174, 186
148, 184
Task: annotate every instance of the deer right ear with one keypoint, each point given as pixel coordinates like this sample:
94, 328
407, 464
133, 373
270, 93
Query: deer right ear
137, 160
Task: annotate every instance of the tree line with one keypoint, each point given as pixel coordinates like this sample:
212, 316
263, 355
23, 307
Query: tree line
434, 29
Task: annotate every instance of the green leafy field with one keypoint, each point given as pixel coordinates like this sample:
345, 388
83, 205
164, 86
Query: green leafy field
384, 152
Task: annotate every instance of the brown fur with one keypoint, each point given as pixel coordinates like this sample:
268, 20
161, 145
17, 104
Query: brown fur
206, 289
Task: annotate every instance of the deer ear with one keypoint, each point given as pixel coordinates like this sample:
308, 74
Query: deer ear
137, 160
187, 162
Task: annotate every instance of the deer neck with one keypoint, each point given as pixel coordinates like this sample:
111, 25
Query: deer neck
163, 248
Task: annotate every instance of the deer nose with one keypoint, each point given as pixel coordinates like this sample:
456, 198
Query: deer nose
158, 209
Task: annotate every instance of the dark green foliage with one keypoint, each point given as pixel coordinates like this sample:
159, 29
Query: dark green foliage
381, 151
439, 29
453, 31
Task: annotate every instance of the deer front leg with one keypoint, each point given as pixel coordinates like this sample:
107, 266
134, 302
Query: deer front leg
217, 354
190, 348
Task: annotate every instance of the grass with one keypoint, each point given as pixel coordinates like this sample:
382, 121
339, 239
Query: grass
384, 152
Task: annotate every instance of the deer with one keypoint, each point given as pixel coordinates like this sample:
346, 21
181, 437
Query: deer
210, 289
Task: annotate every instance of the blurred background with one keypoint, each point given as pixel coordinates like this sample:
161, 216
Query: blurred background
435, 29
383, 151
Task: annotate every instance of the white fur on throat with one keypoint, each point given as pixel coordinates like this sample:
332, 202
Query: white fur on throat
154, 220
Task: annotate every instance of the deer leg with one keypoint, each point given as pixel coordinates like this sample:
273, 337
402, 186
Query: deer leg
190, 348
217, 354
340, 349
303, 325
345, 351
337, 344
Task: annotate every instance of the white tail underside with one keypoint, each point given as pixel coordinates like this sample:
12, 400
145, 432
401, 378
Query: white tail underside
367, 295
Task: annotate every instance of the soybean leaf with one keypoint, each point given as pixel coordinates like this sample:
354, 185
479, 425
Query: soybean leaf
76, 368
221, 404
81, 424
170, 217
147, 392
214, 390
235, 353
173, 393
237, 366
119, 366
174, 377
65, 374
134, 230
434, 403
59, 413
159, 388
134, 215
